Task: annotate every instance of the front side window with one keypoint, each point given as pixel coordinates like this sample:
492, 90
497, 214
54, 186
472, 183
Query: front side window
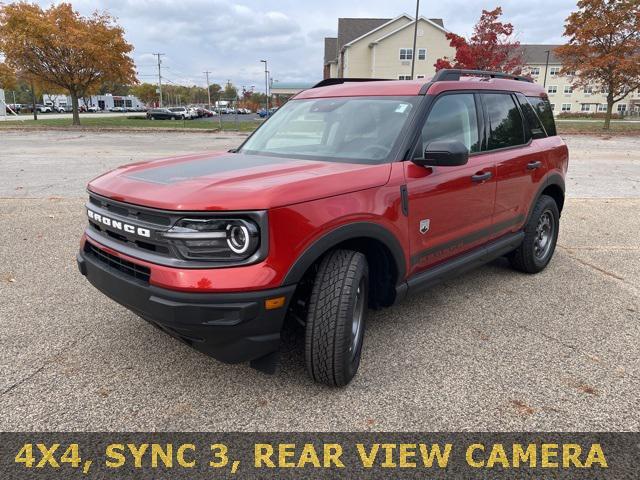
343, 129
452, 117
422, 54
505, 126
406, 53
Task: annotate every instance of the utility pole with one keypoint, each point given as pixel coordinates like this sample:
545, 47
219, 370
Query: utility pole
208, 91
159, 76
266, 86
546, 67
415, 37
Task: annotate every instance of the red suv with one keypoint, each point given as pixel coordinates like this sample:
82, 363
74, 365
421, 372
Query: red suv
352, 195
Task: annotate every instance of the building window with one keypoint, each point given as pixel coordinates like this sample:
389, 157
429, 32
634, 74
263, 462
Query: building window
535, 71
552, 89
554, 71
419, 76
406, 53
588, 90
568, 89
422, 54
622, 107
566, 107
585, 107
602, 107
404, 77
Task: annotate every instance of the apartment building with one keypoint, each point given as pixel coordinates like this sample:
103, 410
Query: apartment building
563, 95
383, 48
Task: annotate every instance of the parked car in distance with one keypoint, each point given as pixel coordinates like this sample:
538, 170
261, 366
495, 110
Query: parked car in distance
379, 196
43, 108
93, 108
116, 109
163, 114
181, 112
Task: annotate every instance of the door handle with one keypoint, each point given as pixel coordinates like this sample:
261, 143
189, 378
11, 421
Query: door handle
534, 165
481, 177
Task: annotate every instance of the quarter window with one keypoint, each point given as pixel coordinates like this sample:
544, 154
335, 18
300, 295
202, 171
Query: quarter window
453, 117
505, 122
406, 53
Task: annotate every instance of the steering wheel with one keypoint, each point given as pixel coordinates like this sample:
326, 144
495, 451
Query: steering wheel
377, 150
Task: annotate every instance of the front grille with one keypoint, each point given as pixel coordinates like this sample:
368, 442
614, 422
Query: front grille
136, 271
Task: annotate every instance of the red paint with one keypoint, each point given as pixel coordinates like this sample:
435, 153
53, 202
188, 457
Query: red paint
307, 199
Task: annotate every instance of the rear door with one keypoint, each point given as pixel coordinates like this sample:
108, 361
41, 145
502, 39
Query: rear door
520, 160
450, 208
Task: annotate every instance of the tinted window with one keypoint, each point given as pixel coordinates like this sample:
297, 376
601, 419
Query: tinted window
505, 122
545, 113
453, 117
533, 125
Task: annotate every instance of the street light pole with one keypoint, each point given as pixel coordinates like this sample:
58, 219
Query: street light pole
415, 37
266, 86
208, 91
159, 76
546, 67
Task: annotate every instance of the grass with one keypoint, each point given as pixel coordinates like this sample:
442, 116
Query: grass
133, 122
617, 128
564, 126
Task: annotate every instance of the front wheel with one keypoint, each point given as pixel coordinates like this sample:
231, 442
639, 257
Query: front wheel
540, 237
336, 318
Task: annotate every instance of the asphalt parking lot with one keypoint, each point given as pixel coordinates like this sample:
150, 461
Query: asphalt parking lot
491, 350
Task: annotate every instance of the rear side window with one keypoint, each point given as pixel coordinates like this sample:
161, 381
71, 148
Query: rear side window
545, 113
505, 127
532, 122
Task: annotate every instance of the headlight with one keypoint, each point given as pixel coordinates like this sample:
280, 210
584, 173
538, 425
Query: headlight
214, 239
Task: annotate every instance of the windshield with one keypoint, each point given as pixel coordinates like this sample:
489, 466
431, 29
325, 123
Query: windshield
349, 129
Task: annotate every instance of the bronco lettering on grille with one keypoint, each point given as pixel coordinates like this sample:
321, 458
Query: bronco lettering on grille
118, 225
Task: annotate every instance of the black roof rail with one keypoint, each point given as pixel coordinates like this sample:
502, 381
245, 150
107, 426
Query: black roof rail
454, 74
338, 81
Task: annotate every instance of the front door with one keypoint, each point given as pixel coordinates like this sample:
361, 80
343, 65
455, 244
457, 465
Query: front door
450, 208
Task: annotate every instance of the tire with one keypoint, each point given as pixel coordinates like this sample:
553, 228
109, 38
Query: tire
336, 318
540, 237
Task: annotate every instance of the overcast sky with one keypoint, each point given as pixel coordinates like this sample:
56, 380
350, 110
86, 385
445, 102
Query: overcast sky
229, 38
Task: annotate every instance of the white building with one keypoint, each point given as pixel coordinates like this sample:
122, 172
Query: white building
104, 102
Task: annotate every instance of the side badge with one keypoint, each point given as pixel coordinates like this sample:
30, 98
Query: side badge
424, 226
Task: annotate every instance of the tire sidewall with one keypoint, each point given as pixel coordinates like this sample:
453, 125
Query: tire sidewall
350, 366
545, 204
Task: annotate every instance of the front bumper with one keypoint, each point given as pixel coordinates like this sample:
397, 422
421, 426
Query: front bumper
231, 327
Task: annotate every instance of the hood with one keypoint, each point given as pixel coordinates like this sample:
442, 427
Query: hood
234, 181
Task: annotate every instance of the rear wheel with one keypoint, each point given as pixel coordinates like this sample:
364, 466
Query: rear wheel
540, 237
336, 318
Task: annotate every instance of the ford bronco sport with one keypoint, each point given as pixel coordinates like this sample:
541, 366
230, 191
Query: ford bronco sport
354, 194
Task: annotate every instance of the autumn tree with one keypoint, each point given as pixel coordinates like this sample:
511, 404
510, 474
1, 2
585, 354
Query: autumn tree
60, 47
604, 48
8, 80
490, 47
146, 92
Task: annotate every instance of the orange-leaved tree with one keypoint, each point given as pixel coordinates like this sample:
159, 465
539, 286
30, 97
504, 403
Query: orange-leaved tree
8, 79
604, 48
491, 47
58, 46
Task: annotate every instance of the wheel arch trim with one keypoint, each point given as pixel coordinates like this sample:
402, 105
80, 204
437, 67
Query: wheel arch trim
341, 234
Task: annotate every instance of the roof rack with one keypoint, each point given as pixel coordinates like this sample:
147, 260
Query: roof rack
454, 74
338, 81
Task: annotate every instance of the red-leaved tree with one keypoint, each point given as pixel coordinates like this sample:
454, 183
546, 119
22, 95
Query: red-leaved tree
491, 47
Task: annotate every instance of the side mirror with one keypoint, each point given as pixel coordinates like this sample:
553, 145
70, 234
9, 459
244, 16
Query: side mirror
444, 153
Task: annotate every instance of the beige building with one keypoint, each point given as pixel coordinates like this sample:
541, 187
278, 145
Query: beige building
383, 48
562, 95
